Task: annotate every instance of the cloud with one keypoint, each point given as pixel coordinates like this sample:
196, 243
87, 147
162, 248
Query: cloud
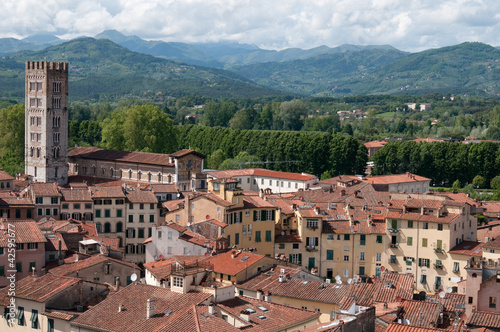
409, 25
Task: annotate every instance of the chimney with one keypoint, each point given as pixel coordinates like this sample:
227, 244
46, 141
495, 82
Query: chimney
261, 193
120, 308
117, 284
59, 253
245, 315
211, 309
150, 308
268, 297
260, 293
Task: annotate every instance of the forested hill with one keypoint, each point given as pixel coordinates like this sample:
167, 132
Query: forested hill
101, 68
472, 68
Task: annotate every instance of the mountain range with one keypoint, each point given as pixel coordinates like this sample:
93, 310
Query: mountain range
112, 64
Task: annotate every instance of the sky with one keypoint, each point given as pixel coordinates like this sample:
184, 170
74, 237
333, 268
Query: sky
409, 25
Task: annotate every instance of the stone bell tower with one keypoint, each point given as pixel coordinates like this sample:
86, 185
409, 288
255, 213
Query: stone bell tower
46, 121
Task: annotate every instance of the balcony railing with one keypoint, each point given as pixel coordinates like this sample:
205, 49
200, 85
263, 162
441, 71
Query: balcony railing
393, 261
393, 230
393, 245
438, 250
438, 266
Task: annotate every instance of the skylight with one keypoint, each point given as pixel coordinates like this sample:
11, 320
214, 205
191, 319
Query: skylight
245, 258
262, 317
262, 308
250, 310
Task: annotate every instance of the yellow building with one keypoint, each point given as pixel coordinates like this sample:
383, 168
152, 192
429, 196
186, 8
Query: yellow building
421, 230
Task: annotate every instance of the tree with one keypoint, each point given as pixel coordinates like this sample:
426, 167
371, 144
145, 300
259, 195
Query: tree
140, 128
240, 120
495, 183
239, 161
12, 139
215, 159
479, 181
456, 185
289, 114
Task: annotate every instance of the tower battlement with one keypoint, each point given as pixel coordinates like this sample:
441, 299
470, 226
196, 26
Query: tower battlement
45, 65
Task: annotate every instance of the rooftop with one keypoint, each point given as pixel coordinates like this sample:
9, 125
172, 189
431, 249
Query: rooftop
25, 232
79, 265
234, 262
231, 173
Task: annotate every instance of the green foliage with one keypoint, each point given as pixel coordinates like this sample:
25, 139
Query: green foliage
215, 159
456, 185
481, 220
242, 160
479, 181
12, 139
140, 128
325, 175
495, 183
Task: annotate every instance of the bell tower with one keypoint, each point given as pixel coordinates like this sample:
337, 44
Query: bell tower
46, 121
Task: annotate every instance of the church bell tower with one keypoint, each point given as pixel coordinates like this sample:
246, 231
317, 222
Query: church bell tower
46, 121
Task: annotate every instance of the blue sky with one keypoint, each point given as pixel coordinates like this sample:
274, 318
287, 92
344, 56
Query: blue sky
410, 25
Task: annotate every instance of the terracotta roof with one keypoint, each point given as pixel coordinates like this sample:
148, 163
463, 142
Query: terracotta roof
396, 178
93, 152
173, 205
494, 244
419, 313
141, 196
39, 289
214, 198
446, 219
61, 314
171, 310
275, 316
69, 268
394, 286
76, 195
25, 232
468, 248
484, 319
14, 199
374, 144
185, 152
40, 189
395, 327
52, 243
163, 268
224, 263
216, 222
176, 226
164, 188
107, 192
451, 301
113, 243
5, 176
231, 173
286, 238
250, 202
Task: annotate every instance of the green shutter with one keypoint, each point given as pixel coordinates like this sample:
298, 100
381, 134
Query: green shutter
329, 255
440, 244
255, 215
241, 217
290, 260
268, 236
273, 214
257, 236
300, 258
420, 262
428, 263
263, 214
307, 242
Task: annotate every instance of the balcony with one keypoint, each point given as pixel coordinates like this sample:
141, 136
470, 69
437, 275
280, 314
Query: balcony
393, 245
438, 250
393, 261
311, 248
393, 230
438, 266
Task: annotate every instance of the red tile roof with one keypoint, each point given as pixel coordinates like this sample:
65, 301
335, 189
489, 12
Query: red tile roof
468, 248
141, 196
76, 195
5, 176
163, 268
276, 316
171, 310
419, 313
70, 268
40, 189
375, 144
396, 178
164, 188
484, 319
25, 232
231, 173
52, 243
107, 192
61, 314
224, 263
39, 289
494, 244
93, 152
395, 327
185, 152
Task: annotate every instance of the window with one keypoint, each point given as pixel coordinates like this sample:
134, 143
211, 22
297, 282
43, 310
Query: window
19, 246
250, 227
34, 319
108, 202
426, 225
19, 267
20, 316
2, 270
493, 302
439, 244
33, 246
423, 279
141, 218
131, 206
268, 236
295, 246
312, 223
39, 200
130, 233
107, 213
424, 242
361, 270
410, 223
329, 255
244, 230
346, 273
151, 218
141, 206
456, 266
440, 227
177, 282
257, 236
50, 325
140, 233
119, 227
237, 238
281, 246
471, 299
361, 256
296, 258
424, 262
330, 237
169, 235
378, 257
379, 238
409, 240
119, 213
130, 218
346, 258
393, 259
346, 237
362, 239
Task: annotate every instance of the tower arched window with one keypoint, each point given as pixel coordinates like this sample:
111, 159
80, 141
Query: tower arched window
129, 173
93, 169
139, 175
159, 177
32, 153
103, 170
169, 179
149, 176
111, 171
38, 152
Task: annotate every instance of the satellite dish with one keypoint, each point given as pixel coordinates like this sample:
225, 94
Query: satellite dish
133, 277
406, 322
449, 290
349, 281
337, 277
442, 295
339, 281
188, 224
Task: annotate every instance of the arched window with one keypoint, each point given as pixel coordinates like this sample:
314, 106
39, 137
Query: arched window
93, 169
129, 173
32, 152
149, 176
139, 174
38, 152
112, 172
107, 227
103, 170
159, 176
98, 227
169, 179
119, 227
